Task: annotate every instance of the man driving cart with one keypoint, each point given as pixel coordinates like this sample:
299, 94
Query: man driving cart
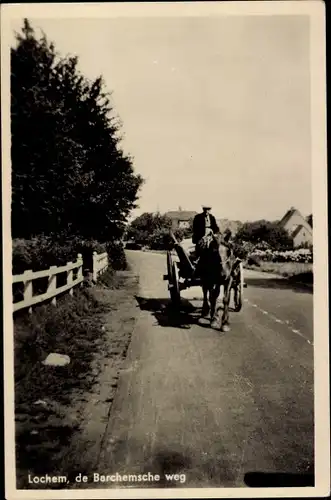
203, 224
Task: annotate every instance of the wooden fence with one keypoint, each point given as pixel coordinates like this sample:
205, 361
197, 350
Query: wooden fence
100, 264
74, 275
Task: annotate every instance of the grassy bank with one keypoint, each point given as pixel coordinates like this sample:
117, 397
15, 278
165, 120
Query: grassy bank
50, 400
68, 328
295, 271
43, 393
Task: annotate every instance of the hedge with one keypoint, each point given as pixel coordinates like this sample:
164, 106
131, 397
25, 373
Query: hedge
299, 255
41, 252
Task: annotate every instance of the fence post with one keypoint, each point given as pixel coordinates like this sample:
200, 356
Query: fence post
28, 290
105, 263
80, 266
95, 266
52, 284
70, 275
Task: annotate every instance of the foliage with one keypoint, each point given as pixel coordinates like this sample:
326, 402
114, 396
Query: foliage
41, 252
185, 232
240, 251
263, 232
302, 255
143, 227
309, 219
116, 255
182, 233
159, 239
153, 230
69, 174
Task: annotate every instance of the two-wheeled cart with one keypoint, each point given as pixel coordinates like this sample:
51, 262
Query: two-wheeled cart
181, 274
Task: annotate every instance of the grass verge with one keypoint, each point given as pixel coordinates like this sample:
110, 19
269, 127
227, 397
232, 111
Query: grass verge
112, 280
55, 405
294, 271
42, 393
67, 328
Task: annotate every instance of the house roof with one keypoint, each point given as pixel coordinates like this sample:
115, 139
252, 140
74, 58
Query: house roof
297, 231
181, 214
288, 215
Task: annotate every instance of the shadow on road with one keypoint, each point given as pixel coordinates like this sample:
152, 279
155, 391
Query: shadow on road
278, 283
167, 315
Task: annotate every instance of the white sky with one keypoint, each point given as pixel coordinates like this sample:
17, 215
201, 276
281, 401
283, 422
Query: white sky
214, 110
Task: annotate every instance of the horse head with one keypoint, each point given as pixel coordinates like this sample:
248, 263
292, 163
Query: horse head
206, 241
219, 246
225, 252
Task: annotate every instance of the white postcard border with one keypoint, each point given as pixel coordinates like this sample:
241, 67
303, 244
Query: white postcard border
316, 11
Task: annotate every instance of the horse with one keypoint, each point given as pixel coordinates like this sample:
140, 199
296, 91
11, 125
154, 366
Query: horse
216, 265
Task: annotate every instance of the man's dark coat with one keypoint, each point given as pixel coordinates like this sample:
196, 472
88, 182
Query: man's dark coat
199, 226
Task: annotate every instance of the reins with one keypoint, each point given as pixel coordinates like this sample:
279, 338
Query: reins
207, 240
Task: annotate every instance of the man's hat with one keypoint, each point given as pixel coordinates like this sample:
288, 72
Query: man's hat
208, 207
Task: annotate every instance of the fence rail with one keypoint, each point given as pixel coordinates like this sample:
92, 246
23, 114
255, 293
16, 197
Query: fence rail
74, 278
100, 264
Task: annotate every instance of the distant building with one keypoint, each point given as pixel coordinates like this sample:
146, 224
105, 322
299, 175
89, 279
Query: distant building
181, 218
298, 227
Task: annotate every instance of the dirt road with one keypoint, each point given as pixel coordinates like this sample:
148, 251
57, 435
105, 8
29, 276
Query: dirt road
213, 407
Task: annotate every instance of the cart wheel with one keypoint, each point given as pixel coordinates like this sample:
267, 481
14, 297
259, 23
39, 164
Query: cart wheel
239, 290
174, 291
169, 264
173, 278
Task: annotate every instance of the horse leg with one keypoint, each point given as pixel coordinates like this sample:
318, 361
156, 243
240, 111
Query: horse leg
214, 294
226, 300
205, 306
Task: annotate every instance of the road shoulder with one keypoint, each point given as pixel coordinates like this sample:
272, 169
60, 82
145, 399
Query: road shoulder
79, 428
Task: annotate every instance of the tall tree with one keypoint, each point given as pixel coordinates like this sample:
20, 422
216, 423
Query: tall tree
263, 231
69, 174
143, 227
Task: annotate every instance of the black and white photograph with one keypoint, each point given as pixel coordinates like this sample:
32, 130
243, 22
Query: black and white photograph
165, 250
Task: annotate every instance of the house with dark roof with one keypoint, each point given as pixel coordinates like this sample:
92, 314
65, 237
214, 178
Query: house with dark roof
297, 227
181, 218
